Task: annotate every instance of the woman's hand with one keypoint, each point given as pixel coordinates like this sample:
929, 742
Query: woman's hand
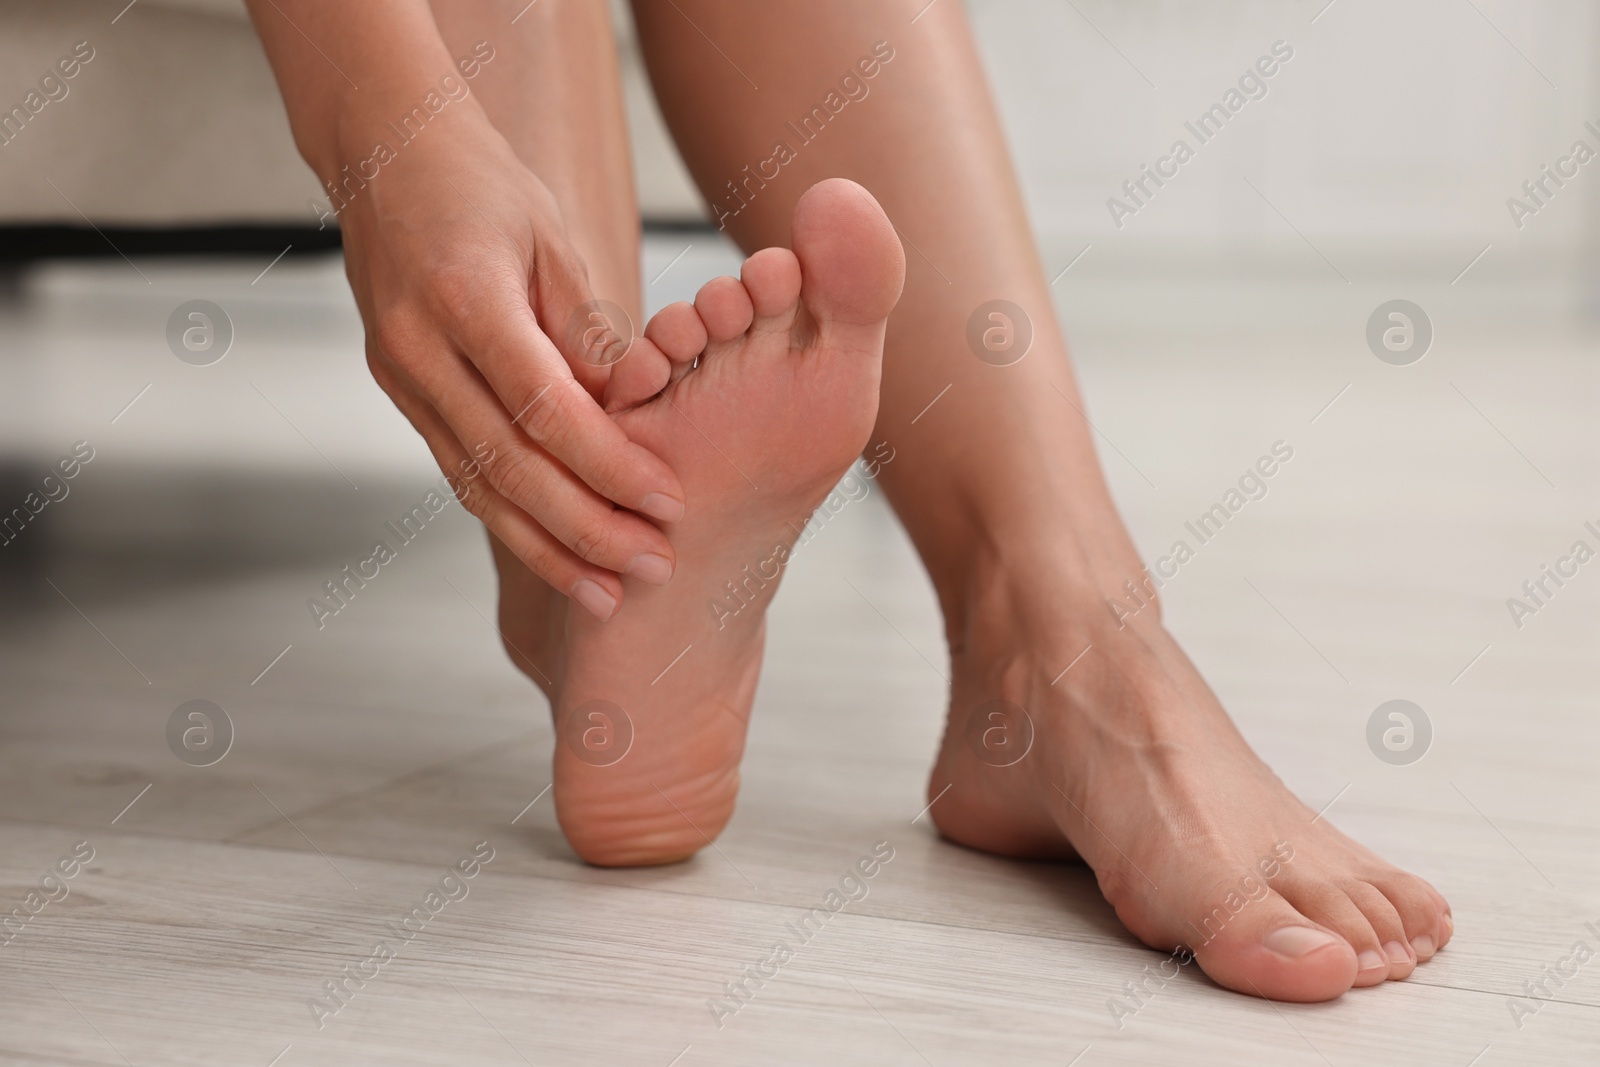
477, 327
469, 290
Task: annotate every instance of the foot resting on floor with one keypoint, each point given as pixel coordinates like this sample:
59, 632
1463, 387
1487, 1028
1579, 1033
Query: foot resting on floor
1128, 760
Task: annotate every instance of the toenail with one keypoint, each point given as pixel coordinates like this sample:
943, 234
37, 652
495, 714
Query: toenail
1422, 946
593, 596
649, 567
1296, 941
1371, 960
1398, 953
661, 506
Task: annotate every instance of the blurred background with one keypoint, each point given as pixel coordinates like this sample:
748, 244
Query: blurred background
1393, 137
1383, 154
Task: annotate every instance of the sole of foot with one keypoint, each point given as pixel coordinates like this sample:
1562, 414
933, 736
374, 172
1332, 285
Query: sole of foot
759, 395
1129, 761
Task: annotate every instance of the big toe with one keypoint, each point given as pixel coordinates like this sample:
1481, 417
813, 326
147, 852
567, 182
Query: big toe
1271, 950
851, 262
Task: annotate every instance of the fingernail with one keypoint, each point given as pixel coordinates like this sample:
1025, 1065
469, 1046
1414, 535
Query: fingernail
1448, 924
1371, 960
1296, 941
592, 595
1422, 946
1398, 953
649, 567
661, 506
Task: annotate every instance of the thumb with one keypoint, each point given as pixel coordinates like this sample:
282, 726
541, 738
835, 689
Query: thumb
591, 333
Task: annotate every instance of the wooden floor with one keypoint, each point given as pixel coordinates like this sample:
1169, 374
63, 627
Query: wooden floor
372, 755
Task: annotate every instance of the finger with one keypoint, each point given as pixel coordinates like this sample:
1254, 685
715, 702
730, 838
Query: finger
598, 590
557, 504
590, 334
497, 332
570, 511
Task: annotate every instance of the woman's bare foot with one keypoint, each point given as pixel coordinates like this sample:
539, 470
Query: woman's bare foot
1128, 760
759, 396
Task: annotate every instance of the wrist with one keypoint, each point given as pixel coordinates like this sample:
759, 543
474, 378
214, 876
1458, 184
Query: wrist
386, 119
370, 147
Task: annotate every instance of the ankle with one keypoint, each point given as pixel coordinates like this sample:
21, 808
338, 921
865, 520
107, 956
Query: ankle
1047, 581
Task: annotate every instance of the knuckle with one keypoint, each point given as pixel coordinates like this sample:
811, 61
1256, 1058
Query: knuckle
543, 561
545, 415
593, 542
519, 478
455, 288
476, 500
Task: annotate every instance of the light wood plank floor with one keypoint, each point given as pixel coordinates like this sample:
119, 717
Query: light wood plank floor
373, 754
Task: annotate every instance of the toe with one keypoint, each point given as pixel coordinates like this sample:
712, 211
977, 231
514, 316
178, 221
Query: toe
1386, 924
678, 331
1269, 949
1424, 915
725, 308
637, 377
772, 278
1368, 930
849, 254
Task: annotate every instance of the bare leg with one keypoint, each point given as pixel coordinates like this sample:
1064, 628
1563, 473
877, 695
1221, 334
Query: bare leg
555, 94
1136, 766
